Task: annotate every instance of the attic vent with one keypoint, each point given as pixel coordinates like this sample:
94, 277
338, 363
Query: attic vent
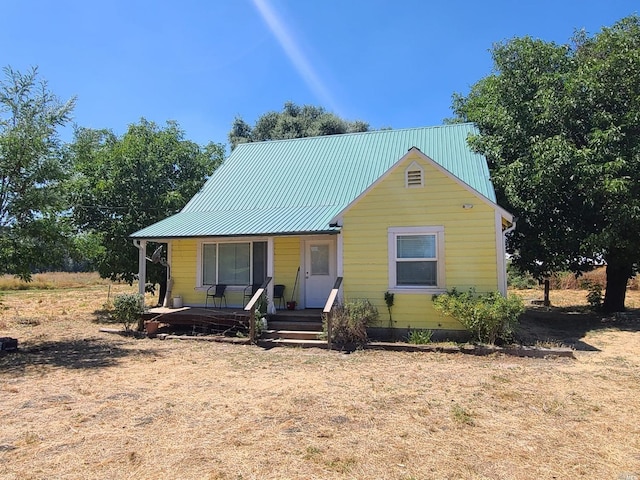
414, 176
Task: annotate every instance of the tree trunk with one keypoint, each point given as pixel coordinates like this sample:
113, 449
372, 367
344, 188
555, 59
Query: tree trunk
618, 273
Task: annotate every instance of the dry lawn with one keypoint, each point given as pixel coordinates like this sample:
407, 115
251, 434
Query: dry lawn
76, 403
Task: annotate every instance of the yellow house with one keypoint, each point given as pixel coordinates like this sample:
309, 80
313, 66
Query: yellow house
411, 212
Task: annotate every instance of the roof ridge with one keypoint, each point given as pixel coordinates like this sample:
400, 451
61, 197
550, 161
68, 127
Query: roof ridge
368, 132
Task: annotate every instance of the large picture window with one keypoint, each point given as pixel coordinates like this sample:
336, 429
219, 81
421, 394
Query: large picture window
233, 263
416, 258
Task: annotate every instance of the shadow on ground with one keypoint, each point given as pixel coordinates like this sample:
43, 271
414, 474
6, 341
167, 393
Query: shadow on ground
568, 326
88, 353
103, 316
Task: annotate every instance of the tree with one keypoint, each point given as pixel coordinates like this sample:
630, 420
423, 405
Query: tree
32, 169
293, 122
123, 184
560, 127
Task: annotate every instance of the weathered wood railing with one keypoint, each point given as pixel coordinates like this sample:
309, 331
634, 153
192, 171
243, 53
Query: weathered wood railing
326, 311
251, 307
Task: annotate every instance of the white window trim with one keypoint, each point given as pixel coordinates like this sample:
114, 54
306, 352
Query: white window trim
415, 166
200, 266
392, 234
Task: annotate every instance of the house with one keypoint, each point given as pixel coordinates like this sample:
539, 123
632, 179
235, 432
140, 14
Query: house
409, 211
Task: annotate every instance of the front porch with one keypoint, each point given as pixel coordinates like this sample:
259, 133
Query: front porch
231, 320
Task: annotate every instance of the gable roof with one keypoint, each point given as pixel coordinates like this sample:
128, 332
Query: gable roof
298, 186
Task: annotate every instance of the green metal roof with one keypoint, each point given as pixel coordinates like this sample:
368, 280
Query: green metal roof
299, 185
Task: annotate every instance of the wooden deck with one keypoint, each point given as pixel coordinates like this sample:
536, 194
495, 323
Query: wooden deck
224, 319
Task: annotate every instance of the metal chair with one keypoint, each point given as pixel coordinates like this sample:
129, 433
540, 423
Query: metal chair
249, 292
216, 291
278, 294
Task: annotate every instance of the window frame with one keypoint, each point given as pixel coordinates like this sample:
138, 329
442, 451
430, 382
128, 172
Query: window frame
200, 285
435, 231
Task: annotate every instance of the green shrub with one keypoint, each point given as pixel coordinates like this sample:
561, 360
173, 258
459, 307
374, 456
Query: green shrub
488, 317
520, 280
349, 322
419, 337
594, 297
128, 309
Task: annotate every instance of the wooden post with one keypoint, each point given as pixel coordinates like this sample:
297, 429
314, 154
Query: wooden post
547, 302
326, 311
252, 325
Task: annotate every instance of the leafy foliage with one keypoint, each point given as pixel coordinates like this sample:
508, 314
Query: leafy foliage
293, 122
594, 296
123, 184
33, 233
560, 126
488, 317
419, 337
350, 320
128, 309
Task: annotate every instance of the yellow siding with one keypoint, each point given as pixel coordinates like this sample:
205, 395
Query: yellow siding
285, 264
469, 242
183, 271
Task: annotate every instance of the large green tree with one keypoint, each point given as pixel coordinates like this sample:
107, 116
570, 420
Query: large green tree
123, 184
560, 127
293, 122
33, 234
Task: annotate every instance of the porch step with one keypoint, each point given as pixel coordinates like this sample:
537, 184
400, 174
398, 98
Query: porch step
289, 342
307, 325
292, 334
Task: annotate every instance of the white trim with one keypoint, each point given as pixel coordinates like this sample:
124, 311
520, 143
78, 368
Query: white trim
168, 297
271, 308
142, 265
333, 261
413, 150
501, 264
438, 231
301, 277
340, 266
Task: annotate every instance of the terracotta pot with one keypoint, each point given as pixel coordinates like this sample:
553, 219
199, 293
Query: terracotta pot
151, 327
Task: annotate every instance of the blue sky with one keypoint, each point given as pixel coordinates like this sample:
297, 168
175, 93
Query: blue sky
392, 63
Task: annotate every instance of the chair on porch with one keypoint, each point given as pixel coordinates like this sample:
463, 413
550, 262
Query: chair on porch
278, 294
216, 291
249, 292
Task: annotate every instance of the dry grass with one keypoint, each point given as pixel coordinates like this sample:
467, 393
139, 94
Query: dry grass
51, 281
573, 298
76, 403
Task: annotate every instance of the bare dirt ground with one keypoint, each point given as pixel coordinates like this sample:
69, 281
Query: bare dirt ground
76, 403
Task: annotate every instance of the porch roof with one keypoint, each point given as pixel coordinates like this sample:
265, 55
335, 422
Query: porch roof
225, 223
299, 185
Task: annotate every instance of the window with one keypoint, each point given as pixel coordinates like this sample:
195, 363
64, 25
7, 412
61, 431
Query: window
233, 263
416, 258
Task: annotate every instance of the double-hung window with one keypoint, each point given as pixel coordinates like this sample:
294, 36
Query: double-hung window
416, 258
233, 263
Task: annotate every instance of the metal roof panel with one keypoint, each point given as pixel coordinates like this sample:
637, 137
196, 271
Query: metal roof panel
297, 185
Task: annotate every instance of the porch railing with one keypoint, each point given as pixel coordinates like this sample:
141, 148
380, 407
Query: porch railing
251, 307
326, 311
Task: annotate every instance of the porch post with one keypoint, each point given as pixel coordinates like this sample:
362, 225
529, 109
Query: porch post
271, 308
340, 258
142, 266
168, 296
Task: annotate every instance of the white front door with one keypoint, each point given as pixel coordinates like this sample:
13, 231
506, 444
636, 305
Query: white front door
320, 271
